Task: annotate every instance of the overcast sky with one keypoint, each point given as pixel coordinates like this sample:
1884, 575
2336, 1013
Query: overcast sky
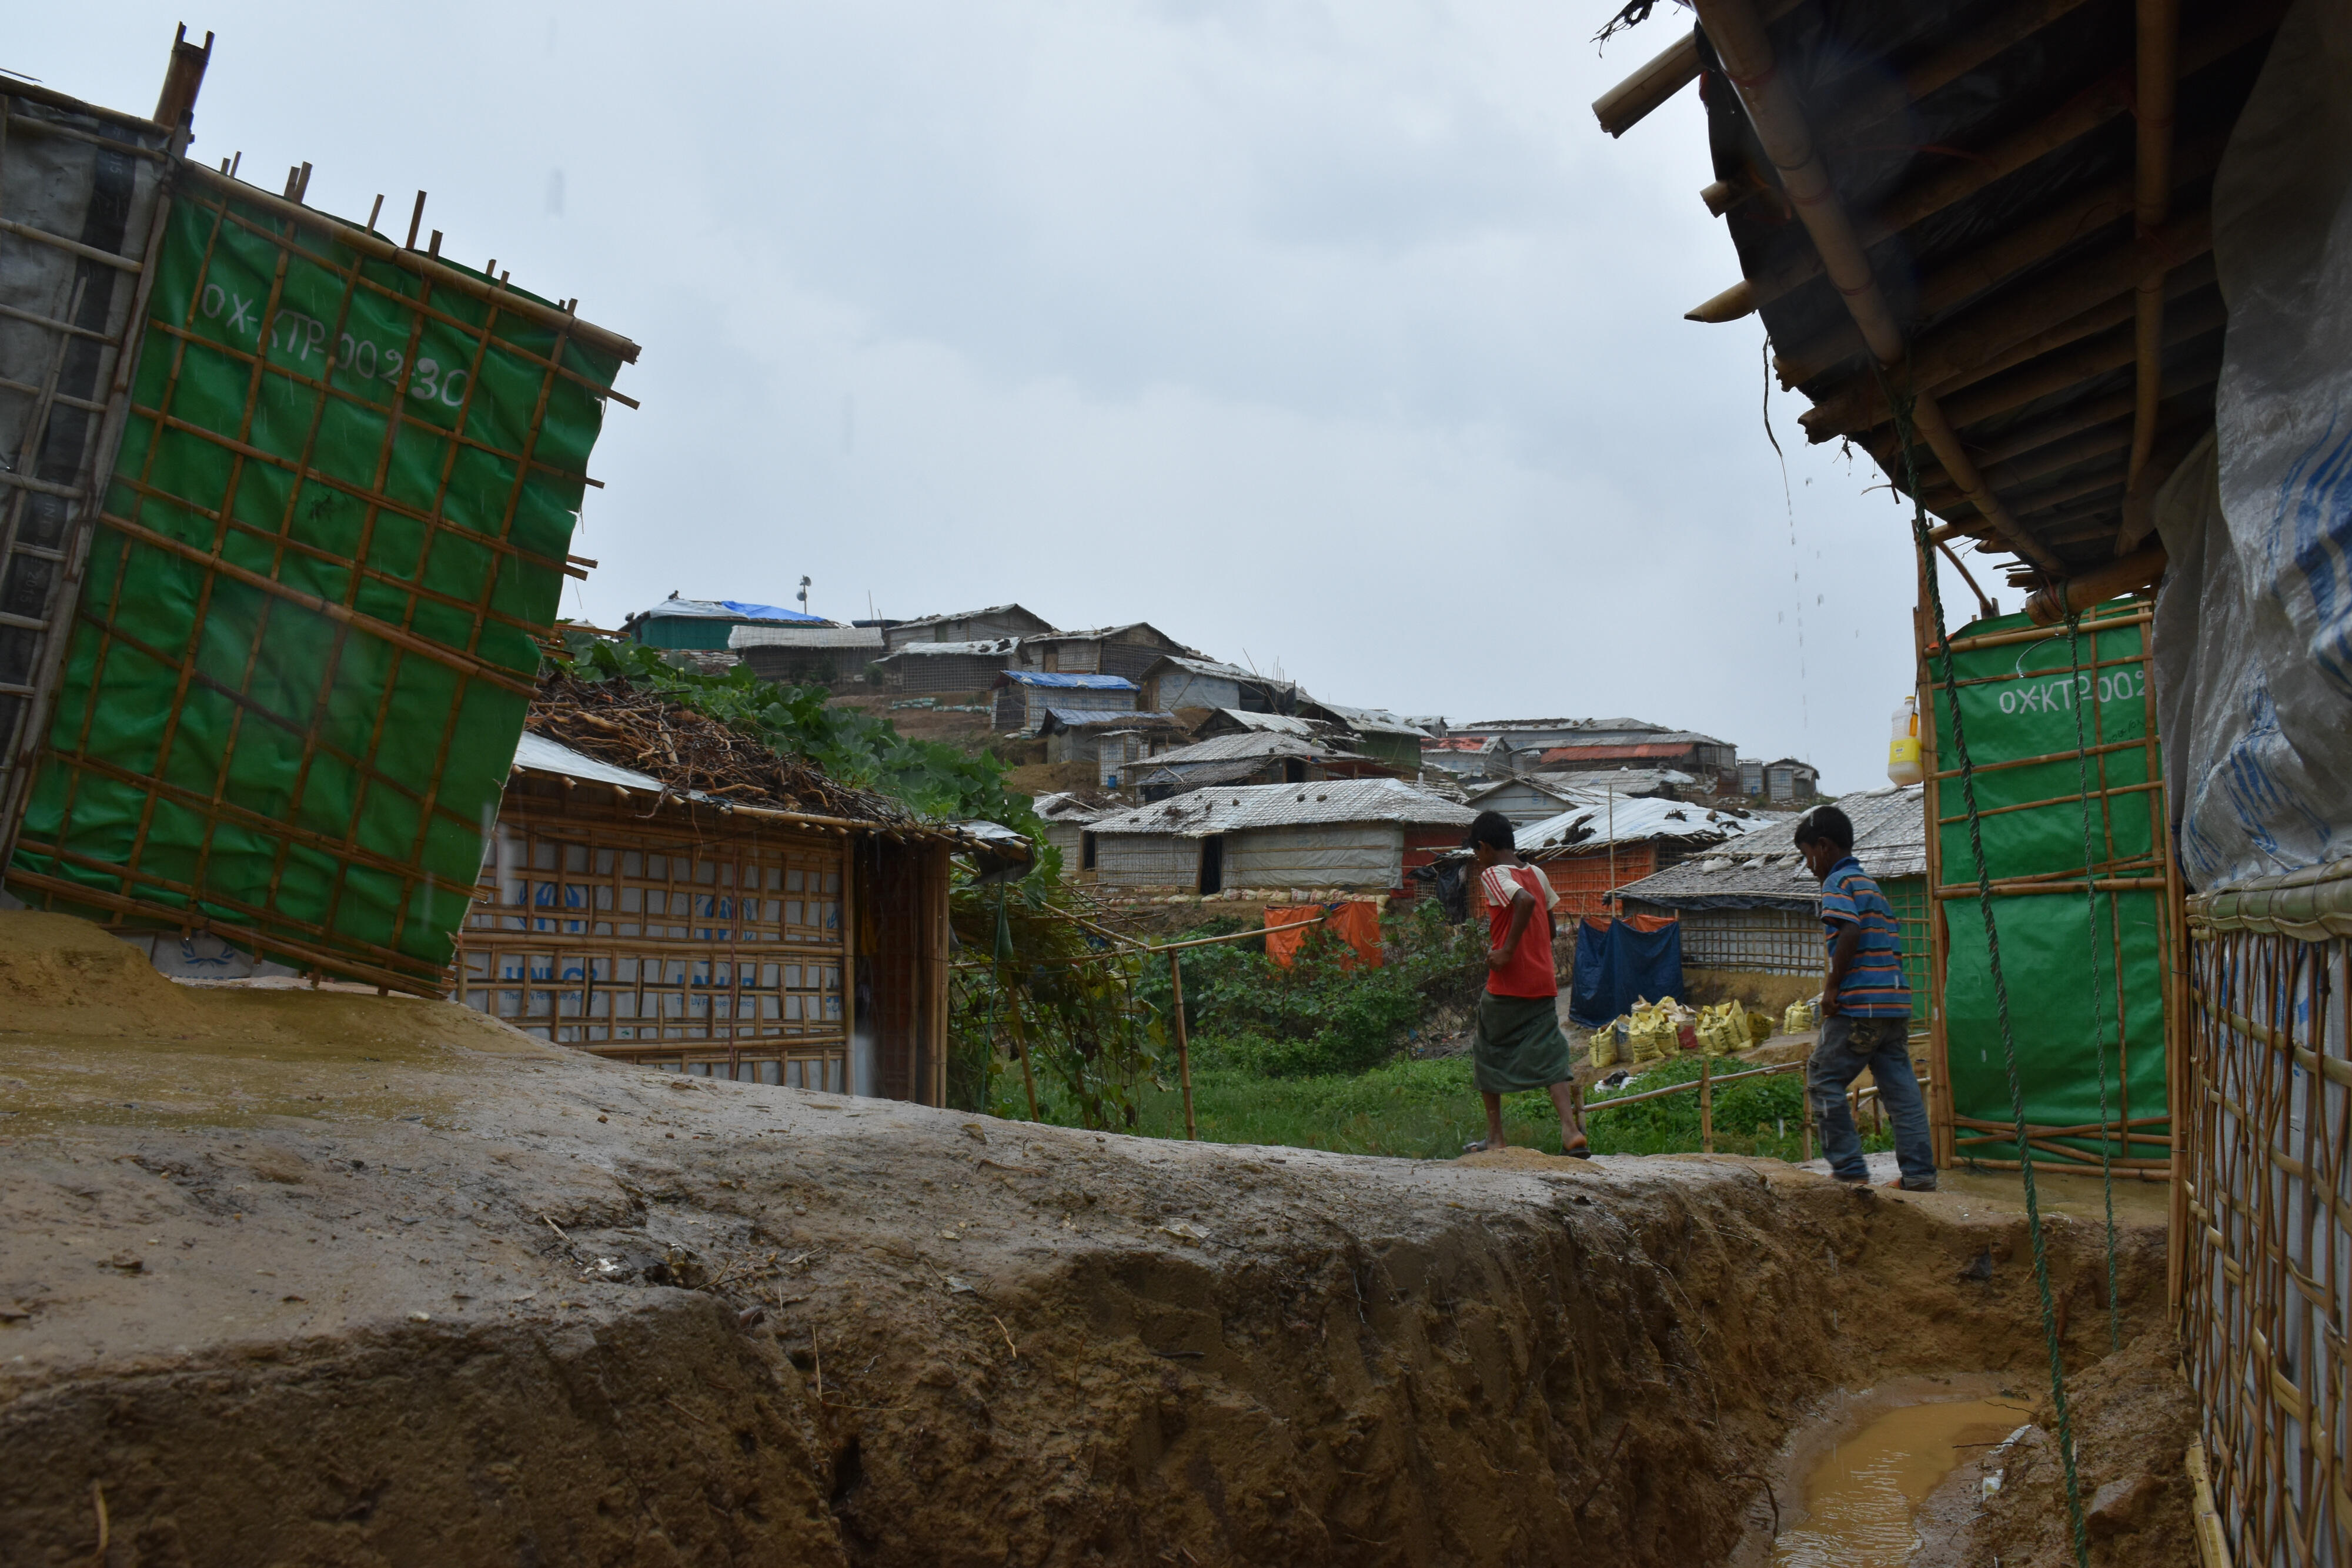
1334, 338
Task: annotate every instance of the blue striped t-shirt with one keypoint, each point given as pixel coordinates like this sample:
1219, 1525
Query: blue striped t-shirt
1874, 985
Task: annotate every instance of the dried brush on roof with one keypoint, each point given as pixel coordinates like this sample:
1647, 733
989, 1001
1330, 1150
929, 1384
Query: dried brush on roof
618, 723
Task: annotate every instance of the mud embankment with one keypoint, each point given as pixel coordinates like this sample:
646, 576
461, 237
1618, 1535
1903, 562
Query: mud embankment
445, 1296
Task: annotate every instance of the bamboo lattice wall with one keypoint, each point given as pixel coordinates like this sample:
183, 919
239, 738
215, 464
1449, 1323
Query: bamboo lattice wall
663, 940
2262, 1211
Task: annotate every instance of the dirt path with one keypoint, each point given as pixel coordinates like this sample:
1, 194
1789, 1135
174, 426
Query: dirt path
305, 1278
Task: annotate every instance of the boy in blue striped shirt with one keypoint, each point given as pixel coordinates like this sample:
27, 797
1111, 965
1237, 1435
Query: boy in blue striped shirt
1865, 1010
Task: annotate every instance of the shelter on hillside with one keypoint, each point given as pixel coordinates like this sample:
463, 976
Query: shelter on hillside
1789, 781
647, 919
1469, 758
1025, 696
800, 655
1377, 732
1751, 912
1594, 849
708, 624
1066, 814
1128, 651
1108, 739
1339, 834
1251, 757
1535, 796
1174, 681
994, 624
947, 667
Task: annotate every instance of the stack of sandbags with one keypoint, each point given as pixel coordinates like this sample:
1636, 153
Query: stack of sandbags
1723, 1029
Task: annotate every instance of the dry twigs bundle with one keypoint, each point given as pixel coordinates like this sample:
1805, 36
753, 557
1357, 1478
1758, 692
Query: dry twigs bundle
614, 722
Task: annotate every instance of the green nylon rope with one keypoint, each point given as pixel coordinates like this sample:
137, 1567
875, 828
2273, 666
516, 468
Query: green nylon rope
2091, 908
1906, 432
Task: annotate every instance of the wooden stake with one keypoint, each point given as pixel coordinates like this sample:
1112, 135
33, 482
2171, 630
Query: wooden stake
1706, 1102
1183, 1044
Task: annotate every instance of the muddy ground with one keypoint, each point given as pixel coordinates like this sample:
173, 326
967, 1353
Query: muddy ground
293, 1277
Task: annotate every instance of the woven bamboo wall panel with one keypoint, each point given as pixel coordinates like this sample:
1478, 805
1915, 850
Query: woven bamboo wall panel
2266, 1246
723, 956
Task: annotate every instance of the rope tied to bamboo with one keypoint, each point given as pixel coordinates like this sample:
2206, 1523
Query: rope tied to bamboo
1906, 438
2091, 911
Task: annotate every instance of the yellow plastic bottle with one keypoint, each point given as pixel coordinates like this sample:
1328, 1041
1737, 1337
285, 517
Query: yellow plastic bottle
1903, 752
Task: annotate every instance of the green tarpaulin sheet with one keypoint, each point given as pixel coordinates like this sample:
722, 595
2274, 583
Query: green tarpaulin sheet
305, 636
2084, 972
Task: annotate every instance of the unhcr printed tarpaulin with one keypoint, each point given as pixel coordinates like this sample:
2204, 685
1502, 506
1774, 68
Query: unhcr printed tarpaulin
2083, 966
339, 520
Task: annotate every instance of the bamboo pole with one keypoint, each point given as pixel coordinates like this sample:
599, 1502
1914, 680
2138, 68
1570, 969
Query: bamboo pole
2156, 76
1183, 1042
1706, 1102
1594, 1107
1926, 634
1745, 51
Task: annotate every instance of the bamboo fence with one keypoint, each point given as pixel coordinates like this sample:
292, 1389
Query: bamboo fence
2262, 1248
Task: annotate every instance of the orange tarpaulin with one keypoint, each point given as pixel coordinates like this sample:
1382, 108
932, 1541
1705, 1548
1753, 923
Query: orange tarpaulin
1356, 921
1638, 922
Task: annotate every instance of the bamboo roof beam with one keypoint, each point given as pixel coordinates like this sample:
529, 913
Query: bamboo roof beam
2054, 372
1631, 101
2078, 117
1986, 269
2158, 70
1739, 41
1962, 349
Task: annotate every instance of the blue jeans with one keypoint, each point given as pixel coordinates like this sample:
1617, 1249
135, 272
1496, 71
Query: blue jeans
1847, 1046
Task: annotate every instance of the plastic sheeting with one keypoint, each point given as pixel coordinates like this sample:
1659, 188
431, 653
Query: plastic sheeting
1355, 923
2254, 622
1331, 855
1618, 964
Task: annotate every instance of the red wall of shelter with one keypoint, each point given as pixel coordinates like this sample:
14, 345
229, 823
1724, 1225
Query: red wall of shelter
1583, 882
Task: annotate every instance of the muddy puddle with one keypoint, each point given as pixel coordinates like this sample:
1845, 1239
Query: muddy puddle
1852, 1483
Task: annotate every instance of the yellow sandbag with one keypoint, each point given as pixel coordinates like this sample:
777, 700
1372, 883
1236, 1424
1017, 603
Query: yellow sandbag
1759, 1028
1800, 1017
1601, 1048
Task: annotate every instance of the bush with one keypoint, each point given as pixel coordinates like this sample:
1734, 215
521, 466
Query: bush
1318, 1017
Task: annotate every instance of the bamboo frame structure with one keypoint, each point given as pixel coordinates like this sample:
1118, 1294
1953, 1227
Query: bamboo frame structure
62, 455
667, 940
2262, 1248
377, 616
1956, 1134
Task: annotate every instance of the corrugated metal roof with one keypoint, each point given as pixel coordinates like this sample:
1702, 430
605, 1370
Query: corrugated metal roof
1063, 805
1229, 748
971, 615
1211, 667
743, 637
675, 608
1372, 720
1106, 719
1890, 838
1067, 683
1279, 723
1649, 751
1206, 812
537, 754
988, 648
1594, 825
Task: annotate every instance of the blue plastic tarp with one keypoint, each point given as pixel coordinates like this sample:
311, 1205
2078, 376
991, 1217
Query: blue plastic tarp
1617, 965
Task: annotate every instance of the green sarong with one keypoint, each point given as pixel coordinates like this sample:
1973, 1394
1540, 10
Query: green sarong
1517, 1045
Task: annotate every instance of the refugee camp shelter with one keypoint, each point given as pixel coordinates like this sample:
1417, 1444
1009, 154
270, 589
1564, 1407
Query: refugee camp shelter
804, 655
1751, 777
652, 923
1351, 835
1378, 733
1108, 737
1584, 745
1249, 756
1750, 911
1174, 681
994, 624
1467, 756
1023, 697
1789, 781
1527, 799
1065, 815
915, 667
1597, 848
306, 615
1130, 651
707, 623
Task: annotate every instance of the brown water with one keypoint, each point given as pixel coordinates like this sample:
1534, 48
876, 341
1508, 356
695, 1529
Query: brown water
1861, 1498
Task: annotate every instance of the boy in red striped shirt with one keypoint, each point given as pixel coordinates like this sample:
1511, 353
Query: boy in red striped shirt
1518, 1043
